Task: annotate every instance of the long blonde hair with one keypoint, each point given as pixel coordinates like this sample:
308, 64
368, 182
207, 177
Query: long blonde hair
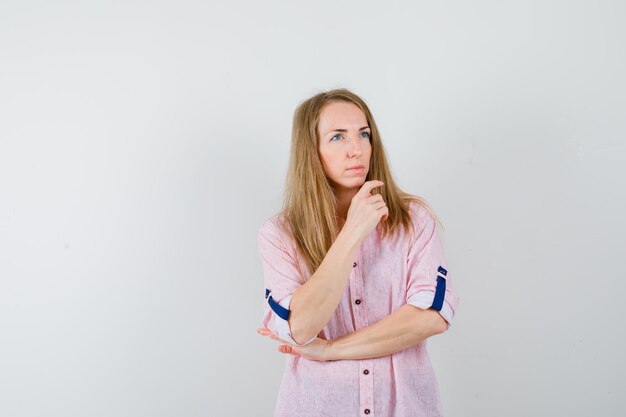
310, 206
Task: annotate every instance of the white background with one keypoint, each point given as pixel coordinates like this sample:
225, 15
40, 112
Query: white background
142, 144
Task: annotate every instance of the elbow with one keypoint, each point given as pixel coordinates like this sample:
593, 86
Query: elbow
300, 334
441, 326
438, 324
427, 322
432, 323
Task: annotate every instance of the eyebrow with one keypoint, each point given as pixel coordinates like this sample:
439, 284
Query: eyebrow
345, 130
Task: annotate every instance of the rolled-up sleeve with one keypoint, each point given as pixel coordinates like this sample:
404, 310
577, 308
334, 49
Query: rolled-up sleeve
281, 277
428, 283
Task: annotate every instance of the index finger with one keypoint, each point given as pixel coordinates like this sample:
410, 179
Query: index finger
368, 186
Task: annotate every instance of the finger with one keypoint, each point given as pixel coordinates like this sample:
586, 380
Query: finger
367, 187
278, 339
378, 205
375, 198
285, 349
385, 210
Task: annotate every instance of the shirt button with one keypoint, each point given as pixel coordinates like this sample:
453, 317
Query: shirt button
354, 265
366, 411
366, 372
357, 302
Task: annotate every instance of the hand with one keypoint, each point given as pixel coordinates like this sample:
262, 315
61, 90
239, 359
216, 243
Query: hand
366, 210
318, 350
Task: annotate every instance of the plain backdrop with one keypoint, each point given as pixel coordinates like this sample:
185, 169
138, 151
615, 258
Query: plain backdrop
143, 143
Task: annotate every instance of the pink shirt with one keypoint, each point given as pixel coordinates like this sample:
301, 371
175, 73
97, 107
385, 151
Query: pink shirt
387, 274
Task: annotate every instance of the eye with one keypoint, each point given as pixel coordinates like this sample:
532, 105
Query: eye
337, 136
365, 135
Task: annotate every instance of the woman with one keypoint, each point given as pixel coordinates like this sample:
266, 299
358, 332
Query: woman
355, 275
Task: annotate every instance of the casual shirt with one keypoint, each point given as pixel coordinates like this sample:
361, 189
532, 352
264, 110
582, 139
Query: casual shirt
387, 273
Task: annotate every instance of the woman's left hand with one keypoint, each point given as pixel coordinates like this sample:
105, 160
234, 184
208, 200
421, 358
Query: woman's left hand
318, 350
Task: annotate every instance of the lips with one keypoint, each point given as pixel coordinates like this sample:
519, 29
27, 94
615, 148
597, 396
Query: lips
356, 167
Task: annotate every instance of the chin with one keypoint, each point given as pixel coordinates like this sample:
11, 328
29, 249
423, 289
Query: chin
355, 183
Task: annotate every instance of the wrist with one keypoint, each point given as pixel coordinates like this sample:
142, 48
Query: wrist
334, 350
350, 239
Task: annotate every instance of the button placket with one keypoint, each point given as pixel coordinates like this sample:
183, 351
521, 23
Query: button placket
351, 293
366, 384
360, 314
366, 381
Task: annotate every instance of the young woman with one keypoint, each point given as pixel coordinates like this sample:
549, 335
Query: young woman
355, 275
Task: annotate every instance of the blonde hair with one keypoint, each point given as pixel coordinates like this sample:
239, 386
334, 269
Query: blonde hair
309, 207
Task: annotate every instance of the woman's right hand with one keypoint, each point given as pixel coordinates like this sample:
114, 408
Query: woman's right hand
366, 210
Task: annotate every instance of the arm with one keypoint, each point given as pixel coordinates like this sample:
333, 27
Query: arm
412, 323
430, 302
402, 329
313, 304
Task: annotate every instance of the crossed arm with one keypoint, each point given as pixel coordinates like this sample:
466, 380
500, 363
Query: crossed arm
402, 329
313, 304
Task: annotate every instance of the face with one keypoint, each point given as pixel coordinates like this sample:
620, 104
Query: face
344, 143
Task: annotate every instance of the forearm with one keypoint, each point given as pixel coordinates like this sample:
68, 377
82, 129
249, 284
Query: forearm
313, 304
402, 329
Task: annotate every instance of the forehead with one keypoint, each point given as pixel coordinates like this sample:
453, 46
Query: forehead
341, 115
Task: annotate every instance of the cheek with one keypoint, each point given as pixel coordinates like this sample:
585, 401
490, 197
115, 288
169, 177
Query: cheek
368, 151
328, 161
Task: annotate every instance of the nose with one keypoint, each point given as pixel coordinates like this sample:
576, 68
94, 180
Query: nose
355, 148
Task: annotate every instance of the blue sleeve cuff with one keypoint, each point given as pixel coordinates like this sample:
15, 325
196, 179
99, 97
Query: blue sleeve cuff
281, 317
280, 311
